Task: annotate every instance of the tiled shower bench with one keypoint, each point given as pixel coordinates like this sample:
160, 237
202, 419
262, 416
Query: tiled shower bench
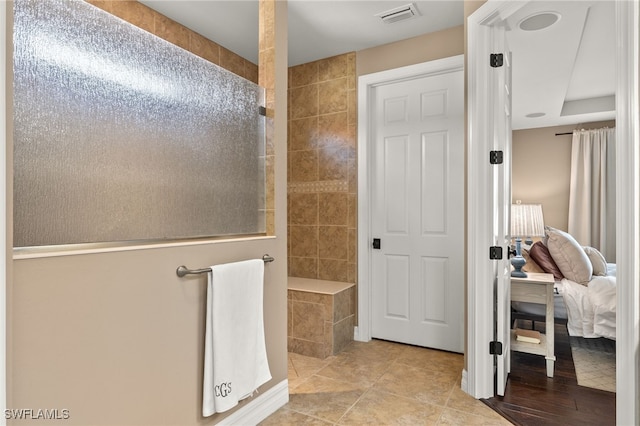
321, 316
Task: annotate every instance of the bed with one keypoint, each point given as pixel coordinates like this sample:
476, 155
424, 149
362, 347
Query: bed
585, 287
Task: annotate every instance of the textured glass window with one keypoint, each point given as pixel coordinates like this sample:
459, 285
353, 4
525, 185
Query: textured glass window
121, 136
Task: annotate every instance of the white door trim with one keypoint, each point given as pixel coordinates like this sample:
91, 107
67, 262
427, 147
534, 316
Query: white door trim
366, 85
628, 213
480, 270
4, 191
479, 372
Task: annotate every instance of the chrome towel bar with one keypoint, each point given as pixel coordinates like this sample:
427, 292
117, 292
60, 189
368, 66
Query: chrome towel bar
183, 270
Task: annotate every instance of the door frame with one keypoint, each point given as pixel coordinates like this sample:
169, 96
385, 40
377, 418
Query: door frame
5, 194
479, 372
366, 86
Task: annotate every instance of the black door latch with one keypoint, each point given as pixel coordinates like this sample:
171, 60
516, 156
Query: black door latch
376, 243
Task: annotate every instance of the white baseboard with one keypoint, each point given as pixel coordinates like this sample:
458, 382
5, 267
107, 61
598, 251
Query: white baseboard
261, 407
357, 335
463, 382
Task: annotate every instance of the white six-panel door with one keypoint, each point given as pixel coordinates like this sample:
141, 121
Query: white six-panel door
417, 184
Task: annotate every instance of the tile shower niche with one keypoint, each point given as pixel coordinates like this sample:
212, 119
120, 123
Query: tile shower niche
321, 316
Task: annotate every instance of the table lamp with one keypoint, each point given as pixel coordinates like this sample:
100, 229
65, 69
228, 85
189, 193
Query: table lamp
526, 221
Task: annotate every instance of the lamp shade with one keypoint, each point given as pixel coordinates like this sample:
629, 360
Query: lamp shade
527, 220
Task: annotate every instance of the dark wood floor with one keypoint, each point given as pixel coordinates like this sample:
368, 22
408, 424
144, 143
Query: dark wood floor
531, 398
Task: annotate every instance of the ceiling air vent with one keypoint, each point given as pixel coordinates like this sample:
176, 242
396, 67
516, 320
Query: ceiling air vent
396, 14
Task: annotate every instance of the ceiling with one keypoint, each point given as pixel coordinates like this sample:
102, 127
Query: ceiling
565, 71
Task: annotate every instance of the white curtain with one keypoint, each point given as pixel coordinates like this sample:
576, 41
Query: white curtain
592, 197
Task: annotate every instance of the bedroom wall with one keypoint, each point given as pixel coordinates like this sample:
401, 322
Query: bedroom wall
541, 169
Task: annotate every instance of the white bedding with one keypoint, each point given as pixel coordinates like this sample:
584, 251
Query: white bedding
591, 309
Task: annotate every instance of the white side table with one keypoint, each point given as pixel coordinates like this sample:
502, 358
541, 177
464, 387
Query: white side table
536, 288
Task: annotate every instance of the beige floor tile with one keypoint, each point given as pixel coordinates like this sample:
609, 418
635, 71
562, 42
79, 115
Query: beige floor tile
324, 398
302, 367
462, 401
286, 417
375, 349
355, 369
432, 359
306, 366
379, 408
428, 386
380, 383
461, 418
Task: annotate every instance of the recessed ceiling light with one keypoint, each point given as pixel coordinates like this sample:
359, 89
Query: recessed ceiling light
539, 21
535, 115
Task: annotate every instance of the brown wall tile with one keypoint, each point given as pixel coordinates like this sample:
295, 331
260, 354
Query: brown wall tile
303, 267
304, 241
334, 130
303, 101
304, 166
133, 12
303, 209
305, 322
171, 31
231, 61
332, 164
304, 75
332, 242
342, 334
307, 348
205, 48
322, 161
333, 68
341, 305
333, 208
149, 20
333, 270
332, 96
303, 134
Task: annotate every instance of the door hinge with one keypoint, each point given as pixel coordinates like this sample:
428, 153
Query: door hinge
495, 253
496, 157
495, 348
496, 60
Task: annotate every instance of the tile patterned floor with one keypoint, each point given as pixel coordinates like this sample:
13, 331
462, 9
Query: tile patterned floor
380, 383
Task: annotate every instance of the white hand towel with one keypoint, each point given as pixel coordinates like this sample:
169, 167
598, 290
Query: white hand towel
235, 355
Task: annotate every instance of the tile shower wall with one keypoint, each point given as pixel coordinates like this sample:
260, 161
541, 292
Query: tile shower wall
149, 20
322, 169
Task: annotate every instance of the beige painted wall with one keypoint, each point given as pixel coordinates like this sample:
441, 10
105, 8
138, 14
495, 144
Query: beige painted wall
117, 337
415, 50
541, 169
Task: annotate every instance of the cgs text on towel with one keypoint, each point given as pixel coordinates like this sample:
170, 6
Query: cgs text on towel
222, 389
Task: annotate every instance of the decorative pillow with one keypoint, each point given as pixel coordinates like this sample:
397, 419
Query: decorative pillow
569, 256
540, 254
597, 260
531, 265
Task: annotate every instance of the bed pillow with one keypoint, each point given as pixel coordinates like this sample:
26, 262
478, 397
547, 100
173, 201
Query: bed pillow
597, 260
569, 256
540, 254
531, 265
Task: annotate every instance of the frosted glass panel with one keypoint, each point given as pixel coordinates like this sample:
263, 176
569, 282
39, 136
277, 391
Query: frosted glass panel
120, 136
